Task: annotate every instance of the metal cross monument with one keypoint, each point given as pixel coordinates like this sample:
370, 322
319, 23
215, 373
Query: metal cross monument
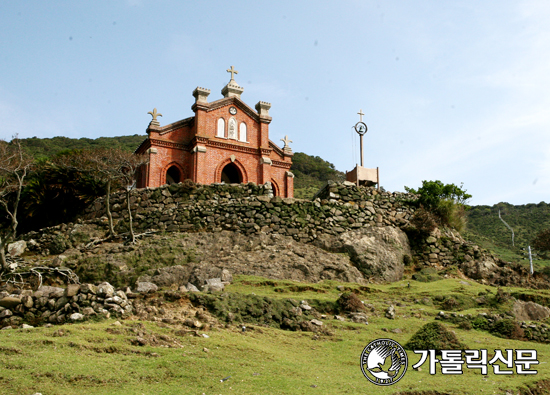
361, 129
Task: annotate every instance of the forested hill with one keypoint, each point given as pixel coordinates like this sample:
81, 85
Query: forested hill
311, 171
526, 221
47, 147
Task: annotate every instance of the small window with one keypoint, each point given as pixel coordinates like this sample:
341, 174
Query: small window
242, 131
232, 129
221, 128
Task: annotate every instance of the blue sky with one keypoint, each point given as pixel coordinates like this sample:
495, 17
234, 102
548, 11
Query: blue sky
457, 91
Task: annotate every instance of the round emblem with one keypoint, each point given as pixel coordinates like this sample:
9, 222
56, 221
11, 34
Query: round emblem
384, 362
361, 128
232, 110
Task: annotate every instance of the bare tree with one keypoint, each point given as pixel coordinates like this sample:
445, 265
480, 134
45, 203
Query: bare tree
112, 167
126, 166
97, 163
15, 165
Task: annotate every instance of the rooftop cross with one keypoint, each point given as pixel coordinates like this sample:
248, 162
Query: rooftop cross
360, 115
232, 71
286, 141
154, 114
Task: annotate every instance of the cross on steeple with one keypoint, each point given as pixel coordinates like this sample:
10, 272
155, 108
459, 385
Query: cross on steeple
360, 115
232, 71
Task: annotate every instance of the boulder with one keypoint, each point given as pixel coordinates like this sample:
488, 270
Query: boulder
168, 276
76, 317
316, 322
88, 289
481, 269
530, 311
49, 292
72, 290
27, 301
226, 277
17, 248
105, 290
213, 285
191, 288
377, 252
360, 318
390, 312
10, 302
146, 287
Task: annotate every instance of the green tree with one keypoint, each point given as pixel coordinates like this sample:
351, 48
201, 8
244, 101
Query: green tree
55, 194
446, 201
542, 241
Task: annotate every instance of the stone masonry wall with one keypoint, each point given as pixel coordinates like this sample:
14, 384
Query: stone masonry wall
251, 208
59, 305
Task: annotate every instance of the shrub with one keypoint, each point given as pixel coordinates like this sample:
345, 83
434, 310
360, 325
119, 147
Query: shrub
507, 328
480, 323
424, 222
434, 336
445, 201
349, 302
465, 324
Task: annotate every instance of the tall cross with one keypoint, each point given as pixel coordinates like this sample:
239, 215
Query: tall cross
360, 115
232, 71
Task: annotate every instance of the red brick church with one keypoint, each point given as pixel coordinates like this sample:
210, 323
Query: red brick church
225, 141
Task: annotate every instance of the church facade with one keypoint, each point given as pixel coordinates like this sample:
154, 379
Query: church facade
225, 141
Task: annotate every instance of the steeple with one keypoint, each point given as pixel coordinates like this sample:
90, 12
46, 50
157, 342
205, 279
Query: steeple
232, 88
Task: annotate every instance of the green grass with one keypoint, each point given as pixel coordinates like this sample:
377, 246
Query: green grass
99, 358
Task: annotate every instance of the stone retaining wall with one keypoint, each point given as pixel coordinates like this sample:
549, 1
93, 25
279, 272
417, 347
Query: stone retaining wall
253, 209
59, 305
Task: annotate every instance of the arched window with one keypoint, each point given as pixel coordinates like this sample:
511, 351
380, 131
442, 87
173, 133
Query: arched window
221, 128
232, 129
242, 131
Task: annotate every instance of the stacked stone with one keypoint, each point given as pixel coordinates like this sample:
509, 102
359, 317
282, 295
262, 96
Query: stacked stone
449, 249
536, 332
58, 305
250, 208
533, 331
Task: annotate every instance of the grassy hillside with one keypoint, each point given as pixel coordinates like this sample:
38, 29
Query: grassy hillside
487, 230
104, 357
311, 174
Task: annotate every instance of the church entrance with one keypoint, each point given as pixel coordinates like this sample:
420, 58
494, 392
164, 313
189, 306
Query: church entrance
231, 174
173, 175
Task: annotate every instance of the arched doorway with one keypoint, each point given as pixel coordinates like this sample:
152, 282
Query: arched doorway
173, 175
231, 174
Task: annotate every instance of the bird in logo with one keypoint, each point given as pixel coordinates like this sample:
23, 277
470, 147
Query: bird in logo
386, 361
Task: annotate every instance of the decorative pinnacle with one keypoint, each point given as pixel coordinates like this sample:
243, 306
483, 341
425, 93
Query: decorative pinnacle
360, 115
155, 114
232, 71
286, 140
